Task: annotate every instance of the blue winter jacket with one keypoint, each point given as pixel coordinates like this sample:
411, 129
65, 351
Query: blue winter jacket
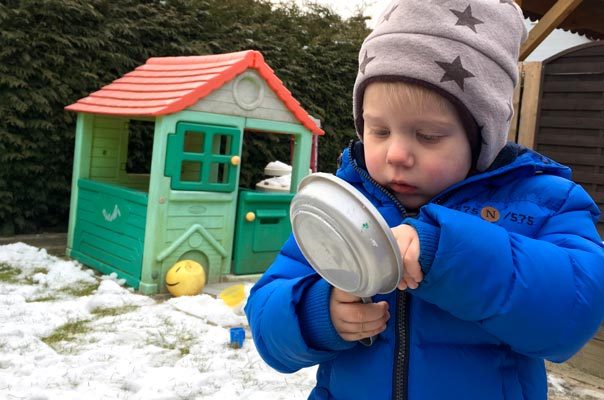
514, 274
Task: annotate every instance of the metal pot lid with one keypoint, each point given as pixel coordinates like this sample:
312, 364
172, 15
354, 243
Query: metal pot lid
344, 237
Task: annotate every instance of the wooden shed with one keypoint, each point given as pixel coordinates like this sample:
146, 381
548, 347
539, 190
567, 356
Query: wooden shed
189, 205
562, 113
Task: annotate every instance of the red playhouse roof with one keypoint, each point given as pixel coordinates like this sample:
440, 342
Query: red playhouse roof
165, 85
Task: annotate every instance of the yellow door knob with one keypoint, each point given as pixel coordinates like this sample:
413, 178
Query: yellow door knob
250, 216
235, 160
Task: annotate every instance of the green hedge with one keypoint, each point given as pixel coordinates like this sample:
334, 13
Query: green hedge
54, 52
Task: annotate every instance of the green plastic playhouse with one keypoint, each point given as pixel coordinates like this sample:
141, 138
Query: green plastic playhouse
189, 205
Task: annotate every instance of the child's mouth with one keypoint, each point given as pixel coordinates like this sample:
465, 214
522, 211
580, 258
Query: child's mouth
402, 188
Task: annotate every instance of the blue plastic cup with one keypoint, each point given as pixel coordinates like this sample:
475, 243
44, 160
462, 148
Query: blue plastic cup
237, 337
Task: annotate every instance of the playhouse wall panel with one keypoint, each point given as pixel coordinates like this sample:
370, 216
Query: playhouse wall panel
110, 228
105, 159
270, 102
177, 226
105, 145
101, 122
208, 221
247, 96
192, 208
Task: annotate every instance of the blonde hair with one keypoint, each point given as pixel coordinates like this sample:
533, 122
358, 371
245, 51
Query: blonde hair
400, 94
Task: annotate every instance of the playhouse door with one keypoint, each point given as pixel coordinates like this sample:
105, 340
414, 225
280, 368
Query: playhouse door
262, 227
202, 162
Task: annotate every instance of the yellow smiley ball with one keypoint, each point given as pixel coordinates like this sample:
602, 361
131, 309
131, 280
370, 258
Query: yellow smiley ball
185, 278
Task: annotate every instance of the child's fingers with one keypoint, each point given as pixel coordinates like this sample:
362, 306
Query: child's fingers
344, 297
355, 320
413, 272
408, 282
356, 330
408, 242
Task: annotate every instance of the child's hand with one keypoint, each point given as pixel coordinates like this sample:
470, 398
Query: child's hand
355, 320
408, 244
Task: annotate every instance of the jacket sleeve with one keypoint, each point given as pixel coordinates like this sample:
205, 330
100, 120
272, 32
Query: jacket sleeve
543, 295
288, 313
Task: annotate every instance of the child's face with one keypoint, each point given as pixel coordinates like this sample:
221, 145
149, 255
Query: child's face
415, 147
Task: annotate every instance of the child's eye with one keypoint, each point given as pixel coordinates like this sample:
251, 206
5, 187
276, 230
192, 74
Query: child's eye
380, 132
427, 137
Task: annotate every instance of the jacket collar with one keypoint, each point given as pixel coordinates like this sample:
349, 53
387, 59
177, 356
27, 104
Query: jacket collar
513, 159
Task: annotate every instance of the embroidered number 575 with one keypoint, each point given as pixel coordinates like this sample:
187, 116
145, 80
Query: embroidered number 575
519, 218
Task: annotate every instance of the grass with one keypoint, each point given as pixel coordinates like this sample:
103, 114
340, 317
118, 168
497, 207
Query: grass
71, 330
79, 290
29, 279
173, 338
113, 312
67, 332
12, 275
82, 289
9, 274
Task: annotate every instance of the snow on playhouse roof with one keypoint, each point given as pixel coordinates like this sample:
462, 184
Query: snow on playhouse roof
166, 85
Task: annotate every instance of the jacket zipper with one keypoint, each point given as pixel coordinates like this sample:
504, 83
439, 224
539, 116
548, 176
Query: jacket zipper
365, 175
401, 353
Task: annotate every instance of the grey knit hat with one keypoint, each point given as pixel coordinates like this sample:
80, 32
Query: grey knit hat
464, 49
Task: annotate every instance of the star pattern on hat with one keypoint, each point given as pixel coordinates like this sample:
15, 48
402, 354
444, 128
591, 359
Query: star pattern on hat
365, 62
389, 13
454, 71
466, 18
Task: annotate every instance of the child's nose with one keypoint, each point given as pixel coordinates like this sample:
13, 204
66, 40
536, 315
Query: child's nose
400, 152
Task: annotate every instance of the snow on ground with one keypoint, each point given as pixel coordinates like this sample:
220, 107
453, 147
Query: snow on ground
69, 333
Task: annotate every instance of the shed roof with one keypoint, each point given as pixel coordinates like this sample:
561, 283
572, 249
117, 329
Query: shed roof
585, 19
166, 85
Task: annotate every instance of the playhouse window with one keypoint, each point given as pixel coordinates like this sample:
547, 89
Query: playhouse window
140, 146
199, 157
190, 171
260, 148
222, 144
